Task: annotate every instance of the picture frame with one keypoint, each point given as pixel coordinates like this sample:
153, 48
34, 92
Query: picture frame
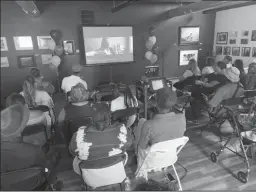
69, 48
186, 55
244, 41
222, 38
232, 41
253, 37
189, 35
4, 62
232, 34
235, 51
218, 50
23, 43
26, 61
245, 33
42, 41
4, 46
246, 51
254, 52
46, 59
226, 50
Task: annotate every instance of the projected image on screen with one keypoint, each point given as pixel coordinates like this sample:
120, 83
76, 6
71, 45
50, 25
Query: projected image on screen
157, 84
108, 44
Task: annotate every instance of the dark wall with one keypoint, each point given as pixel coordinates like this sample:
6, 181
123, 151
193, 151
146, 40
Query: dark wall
65, 15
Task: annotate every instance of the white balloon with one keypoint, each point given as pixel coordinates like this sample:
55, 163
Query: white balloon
149, 45
153, 58
148, 55
51, 44
56, 60
152, 39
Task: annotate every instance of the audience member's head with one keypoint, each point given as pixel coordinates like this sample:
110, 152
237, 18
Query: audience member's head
166, 98
192, 64
101, 116
252, 68
238, 63
227, 59
29, 90
210, 61
13, 120
78, 93
232, 74
152, 185
37, 76
219, 66
76, 68
15, 98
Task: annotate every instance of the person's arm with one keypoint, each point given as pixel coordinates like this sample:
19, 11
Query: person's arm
208, 85
144, 137
63, 84
73, 146
84, 83
218, 97
61, 118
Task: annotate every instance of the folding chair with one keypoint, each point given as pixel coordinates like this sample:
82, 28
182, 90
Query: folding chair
161, 156
103, 176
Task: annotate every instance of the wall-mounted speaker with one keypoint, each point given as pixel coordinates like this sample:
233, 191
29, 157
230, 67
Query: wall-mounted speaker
87, 17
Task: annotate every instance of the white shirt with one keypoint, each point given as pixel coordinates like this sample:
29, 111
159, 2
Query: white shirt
69, 82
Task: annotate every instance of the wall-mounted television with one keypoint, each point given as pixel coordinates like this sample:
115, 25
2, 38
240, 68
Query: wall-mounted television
108, 44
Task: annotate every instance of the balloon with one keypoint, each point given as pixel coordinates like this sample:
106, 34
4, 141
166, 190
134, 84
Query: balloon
152, 39
148, 55
51, 44
55, 34
153, 59
58, 50
152, 31
56, 60
149, 45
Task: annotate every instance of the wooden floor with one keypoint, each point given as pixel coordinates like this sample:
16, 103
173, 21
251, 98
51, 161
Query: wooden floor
202, 174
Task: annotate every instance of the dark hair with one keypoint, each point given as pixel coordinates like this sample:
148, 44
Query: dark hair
101, 116
221, 65
35, 72
229, 58
210, 61
29, 91
239, 65
152, 185
15, 98
166, 98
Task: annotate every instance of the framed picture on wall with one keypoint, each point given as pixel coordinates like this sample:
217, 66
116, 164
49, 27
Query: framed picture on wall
232, 41
245, 33
232, 34
226, 50
246, 51
235, 51
254, 52
26, 61
46, 59
69, 47
23, 43
43, 41
244, 41
186, 55
253, 35
4, 62
4, 46
189, 35
222, 38
218, 50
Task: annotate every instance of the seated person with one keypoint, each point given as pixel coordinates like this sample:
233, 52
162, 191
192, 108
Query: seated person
166, 124
46, 86
228, 61
238, 63
97, 142
34, 97
15, 154
228, 76
193, 70
72, 80
250, 82
208, 69
35, 117
124, 100
78, 107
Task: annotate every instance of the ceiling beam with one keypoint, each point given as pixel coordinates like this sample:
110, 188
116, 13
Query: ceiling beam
194, 7
243, 4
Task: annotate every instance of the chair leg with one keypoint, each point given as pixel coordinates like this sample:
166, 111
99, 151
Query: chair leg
177, 176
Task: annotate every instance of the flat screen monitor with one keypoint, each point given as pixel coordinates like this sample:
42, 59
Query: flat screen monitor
108, 44
157, 83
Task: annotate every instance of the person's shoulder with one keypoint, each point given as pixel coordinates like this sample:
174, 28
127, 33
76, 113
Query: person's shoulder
42, 93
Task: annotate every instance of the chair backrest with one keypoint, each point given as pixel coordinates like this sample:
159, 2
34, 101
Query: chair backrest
161, 155
74, 124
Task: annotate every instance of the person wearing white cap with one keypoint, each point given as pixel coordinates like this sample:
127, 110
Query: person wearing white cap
250, 82
228, 61
72, 80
